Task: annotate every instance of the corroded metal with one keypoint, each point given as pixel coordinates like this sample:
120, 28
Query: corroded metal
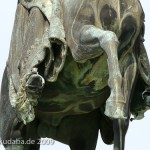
74, 63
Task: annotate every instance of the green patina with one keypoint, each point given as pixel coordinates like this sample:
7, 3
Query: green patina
78, 85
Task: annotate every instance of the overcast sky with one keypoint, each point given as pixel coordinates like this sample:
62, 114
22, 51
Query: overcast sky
139, 131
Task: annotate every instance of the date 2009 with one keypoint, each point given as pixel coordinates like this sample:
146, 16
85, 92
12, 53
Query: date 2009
46, 141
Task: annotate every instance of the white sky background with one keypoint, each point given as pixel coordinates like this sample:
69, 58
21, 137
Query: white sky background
139, 131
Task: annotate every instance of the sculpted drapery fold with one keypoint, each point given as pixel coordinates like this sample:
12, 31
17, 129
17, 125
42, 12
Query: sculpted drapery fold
39, 24
75, 67
49, 31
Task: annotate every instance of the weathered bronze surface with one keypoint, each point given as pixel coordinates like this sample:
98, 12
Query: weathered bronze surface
75, 67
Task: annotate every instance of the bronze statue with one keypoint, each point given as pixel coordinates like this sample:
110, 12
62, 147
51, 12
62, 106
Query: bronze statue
75, 67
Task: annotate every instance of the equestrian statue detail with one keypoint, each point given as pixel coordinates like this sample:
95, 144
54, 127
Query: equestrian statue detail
75, 67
